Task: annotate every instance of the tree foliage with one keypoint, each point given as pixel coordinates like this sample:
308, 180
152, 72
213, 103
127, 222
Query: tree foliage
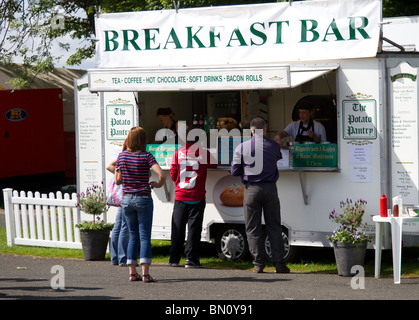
28, 28
398, 8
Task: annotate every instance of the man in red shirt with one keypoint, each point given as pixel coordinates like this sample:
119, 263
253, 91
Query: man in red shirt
189, 173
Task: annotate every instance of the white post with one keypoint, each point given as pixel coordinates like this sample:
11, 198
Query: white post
10, 217
76, 219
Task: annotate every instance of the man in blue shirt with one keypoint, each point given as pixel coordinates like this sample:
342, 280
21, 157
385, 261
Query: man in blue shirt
255, 161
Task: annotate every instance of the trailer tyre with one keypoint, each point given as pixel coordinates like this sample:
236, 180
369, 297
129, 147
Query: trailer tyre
231, 243
291, 252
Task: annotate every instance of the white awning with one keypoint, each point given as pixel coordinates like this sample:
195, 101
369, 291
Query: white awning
305, 73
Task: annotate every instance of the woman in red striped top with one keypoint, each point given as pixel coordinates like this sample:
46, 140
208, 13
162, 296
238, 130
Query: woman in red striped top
137, 204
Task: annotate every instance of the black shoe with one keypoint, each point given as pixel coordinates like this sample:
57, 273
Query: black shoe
258, 269
193, 264
282, 269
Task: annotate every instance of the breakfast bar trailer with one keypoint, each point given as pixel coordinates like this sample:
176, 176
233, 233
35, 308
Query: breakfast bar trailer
237, 62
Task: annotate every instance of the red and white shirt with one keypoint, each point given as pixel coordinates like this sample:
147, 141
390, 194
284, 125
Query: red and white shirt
189, 172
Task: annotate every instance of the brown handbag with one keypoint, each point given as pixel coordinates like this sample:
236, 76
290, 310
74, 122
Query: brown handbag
118, 176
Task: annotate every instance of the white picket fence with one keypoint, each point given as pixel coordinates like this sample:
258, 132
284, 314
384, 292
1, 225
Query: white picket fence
41, 220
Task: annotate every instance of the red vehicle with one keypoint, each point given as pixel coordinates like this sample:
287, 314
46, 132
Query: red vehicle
31, 132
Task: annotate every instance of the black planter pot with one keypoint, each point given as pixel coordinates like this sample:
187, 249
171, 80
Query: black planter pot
94, 244
348, 255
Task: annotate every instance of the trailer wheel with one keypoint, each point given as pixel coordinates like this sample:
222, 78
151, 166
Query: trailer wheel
231, 243
290, 251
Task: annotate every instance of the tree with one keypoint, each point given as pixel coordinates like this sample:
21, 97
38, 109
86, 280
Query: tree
398, 8
23, 34
28, 28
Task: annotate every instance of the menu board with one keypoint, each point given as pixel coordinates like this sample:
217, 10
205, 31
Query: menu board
404, 132
88, 135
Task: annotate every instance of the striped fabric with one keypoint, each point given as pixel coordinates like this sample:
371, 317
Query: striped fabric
135, 168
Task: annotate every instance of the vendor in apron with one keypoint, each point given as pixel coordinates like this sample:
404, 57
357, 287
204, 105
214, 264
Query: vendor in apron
305, 129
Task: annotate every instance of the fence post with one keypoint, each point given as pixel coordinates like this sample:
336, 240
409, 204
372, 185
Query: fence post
9, 217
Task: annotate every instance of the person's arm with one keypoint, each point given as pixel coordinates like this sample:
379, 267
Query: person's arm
282, 134
111, 166
313, 135
162, 176
174, 168
289, 130
212, 162
322, 133
236, 168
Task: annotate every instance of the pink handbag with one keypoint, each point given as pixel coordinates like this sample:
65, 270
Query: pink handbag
114, 193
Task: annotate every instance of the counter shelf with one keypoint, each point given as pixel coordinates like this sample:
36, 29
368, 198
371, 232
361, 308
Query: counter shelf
301, 173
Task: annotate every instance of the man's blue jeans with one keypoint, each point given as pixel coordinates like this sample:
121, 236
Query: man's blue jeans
138, 211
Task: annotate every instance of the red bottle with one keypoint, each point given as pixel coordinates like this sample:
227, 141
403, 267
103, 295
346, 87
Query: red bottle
383, 206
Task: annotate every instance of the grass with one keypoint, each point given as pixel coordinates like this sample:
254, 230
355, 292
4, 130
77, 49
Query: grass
37, 251
313, 260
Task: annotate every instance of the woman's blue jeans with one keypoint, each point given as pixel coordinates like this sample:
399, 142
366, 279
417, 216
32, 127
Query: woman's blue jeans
119, 239
138, 211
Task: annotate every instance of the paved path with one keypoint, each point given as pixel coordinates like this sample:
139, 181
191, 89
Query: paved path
244, 293
23, 277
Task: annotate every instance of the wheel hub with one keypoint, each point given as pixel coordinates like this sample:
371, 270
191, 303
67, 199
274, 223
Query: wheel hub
232, 244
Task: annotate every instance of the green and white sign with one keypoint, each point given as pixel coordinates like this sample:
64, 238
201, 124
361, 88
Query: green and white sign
315, 155
239, 35
119, 120
359, 119
161, 152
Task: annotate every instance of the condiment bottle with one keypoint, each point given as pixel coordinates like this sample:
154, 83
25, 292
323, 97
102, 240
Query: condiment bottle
397, 205
396, 210
201, 121
383, 206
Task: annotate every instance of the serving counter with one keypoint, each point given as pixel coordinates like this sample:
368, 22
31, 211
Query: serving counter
300, 170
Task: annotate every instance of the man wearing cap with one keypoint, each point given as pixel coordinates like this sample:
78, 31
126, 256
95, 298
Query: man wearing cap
306, 129
166, 118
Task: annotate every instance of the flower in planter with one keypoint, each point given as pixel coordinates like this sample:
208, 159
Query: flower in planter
93, 202
349, 221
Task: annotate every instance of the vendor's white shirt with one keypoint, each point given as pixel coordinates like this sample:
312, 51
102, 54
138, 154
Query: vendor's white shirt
319, 130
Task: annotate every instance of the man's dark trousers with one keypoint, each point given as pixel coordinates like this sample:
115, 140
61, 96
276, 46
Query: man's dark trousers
263, 197
191, 215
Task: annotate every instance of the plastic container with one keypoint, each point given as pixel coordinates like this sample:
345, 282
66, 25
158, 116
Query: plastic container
397, 206
383, 206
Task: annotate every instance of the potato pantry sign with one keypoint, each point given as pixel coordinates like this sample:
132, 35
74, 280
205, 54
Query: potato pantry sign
237, 35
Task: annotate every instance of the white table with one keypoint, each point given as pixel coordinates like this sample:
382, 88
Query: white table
396, 242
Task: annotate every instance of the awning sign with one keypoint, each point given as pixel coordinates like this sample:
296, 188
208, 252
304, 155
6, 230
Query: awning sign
190, 79
244, 34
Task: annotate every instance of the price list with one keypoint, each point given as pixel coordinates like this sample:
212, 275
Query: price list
404, 133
